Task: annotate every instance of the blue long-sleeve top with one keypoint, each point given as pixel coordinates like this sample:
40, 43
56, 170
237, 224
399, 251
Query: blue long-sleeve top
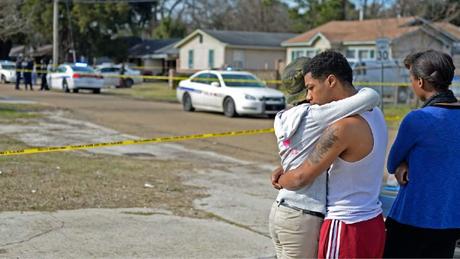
429, 141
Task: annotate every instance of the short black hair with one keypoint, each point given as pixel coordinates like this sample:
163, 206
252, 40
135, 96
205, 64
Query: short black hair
328, 63
433, 66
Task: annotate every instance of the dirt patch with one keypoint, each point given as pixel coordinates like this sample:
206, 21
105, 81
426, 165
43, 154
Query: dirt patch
74, 180
12, 112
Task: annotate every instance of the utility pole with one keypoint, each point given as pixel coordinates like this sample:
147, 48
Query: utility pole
55, 33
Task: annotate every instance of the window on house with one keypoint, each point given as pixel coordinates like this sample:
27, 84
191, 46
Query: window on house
363, 54
297, 53
350, 54
310, 53
190, 59
211, 58
238, 59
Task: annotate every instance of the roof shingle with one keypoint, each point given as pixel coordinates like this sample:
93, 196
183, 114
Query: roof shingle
450, 28
365, 30
150, 47
246, 38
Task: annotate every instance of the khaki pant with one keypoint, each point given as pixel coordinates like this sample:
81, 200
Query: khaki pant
294, 233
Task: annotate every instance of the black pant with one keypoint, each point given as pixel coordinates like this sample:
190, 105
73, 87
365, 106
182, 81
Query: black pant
44, 83
405, 241
28, 80
18, 79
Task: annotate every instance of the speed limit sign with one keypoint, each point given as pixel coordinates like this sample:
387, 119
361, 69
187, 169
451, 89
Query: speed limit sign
382, 46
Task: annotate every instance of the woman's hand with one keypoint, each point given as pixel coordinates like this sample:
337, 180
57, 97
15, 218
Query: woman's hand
402, 173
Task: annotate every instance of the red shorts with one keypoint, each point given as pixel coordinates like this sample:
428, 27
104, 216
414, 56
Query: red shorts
364, 239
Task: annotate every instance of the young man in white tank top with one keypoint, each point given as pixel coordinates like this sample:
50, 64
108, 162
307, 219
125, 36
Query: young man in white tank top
353, 149
296, 216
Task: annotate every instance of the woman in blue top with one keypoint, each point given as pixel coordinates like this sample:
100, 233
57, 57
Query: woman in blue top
425, 158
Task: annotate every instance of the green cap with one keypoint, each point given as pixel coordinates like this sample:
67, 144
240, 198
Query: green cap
292, 80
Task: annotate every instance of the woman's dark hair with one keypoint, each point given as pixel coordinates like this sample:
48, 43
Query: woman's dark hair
328, 63
433, 66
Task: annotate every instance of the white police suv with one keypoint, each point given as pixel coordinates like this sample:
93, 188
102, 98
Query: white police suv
7, 71
75, 77
230, 92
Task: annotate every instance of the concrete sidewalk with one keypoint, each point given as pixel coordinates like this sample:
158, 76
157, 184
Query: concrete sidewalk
124, 233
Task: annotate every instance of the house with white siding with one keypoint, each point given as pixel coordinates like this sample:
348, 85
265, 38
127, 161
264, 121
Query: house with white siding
211, 49
357, 39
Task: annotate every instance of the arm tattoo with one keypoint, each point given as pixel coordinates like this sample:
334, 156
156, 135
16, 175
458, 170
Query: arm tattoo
326, 141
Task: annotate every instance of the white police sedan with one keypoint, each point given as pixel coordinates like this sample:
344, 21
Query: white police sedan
111, 74
7, 71
230, 92
75, 77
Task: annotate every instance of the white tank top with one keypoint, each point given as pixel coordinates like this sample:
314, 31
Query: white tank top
354, 187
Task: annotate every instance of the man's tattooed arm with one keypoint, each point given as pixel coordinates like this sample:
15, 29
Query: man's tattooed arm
325, 143
329, 147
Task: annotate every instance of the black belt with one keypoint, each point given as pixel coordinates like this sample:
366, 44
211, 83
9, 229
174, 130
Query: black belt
309, 212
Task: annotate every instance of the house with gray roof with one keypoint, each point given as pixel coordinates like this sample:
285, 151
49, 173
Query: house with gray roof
213, 49
155, 57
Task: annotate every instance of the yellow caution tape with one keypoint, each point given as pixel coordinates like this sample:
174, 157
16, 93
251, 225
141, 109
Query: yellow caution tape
393, 118
176, 78
146, 141
133, 142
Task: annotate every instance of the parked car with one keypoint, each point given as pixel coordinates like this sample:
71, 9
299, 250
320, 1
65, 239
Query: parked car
230, 92
7, 71
456, 86
75, 77
389, 71
387, 197
111, 74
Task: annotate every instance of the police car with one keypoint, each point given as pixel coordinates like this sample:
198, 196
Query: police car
230, 92
75, 77
7, 71
456, 86
111, 74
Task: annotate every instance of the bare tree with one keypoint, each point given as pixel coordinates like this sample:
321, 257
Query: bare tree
12, 24
242, 15
439, 10
206, 14
260, 15
11, 20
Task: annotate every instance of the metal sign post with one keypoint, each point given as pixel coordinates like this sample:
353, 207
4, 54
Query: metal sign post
382, 46
55, 33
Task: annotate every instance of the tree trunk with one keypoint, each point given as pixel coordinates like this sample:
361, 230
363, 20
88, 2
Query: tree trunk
344, 10
5, 47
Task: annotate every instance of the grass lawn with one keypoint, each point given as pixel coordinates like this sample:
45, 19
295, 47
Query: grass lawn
157, 91
74, 180
394, 113
16, 112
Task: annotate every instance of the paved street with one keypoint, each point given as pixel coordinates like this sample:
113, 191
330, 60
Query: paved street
153, 119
